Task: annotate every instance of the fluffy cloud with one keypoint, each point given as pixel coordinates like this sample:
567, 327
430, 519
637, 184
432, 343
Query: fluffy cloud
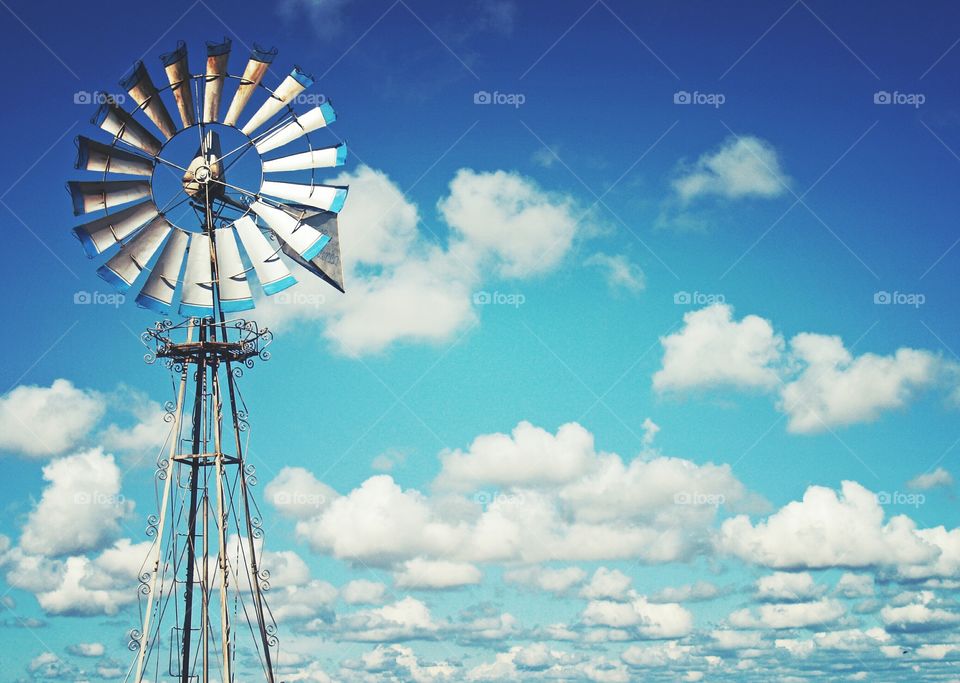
528, 456
806, 534
607, 584
149, 429
742, 167
789, 615
297, 494
81, 508
42, 421
403, 286
550, 580
436, 574
363, 592
921, 614
647, 619
788, 587
836, 389
821, 384
713, 350
557, 499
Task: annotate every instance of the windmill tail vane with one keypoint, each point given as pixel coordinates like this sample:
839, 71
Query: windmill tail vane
189, 215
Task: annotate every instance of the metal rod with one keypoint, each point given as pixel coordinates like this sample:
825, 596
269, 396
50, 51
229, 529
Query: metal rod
174, 443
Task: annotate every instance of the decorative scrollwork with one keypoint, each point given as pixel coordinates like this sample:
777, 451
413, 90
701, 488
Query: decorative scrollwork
257, 527
161, 473
152, 523
250, 472
135, 637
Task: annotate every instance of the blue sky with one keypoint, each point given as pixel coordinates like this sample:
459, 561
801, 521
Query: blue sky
693, 264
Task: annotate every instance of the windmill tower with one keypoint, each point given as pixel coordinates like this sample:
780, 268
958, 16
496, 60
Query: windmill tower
184, 221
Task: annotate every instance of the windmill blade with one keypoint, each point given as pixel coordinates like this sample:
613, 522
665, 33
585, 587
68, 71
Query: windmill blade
157, 293
253, 73
327, 157
96, 156
292, 85
178, 73
272, 272
123, 126
326, 264
122, 270
218, 54
197, 296
303, 239
232, 276
316, 118
141, 88
100, 235
94, 195
325, 197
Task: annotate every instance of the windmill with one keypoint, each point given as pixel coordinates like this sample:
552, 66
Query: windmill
188, 222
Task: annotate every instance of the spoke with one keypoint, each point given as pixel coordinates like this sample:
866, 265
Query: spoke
170, 163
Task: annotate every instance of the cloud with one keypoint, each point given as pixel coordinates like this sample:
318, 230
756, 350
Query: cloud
42, 421
528, 456
690, 592
789, 615
741, 167
147, 433
607, 584
363, 592
855, 585
836, 389
931, 480
554, 499
87, 649
297, 494
788, 587
404, 287
808, 534
436, 574
714, 350
551, 580
509, 216
81, 508
648, 620
821, 384
619, 272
